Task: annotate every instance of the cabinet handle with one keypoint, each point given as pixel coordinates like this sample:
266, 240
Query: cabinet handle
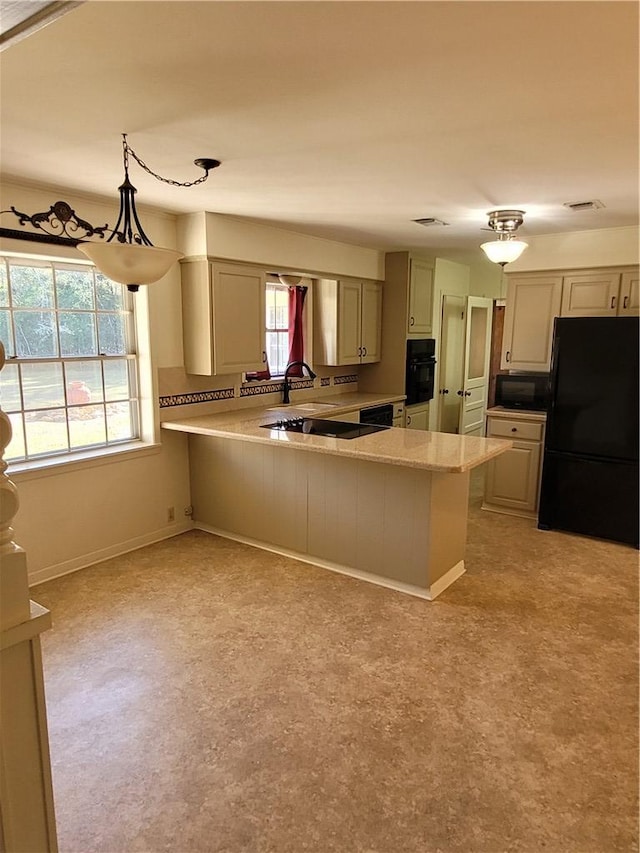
411, 321
460, 393
467, 393
613, 302
514, 429
507, 357
364, 350
264, 357
625, 302
408, 419
359, 352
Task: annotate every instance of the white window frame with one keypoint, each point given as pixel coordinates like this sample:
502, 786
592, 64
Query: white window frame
272, 280
148, 439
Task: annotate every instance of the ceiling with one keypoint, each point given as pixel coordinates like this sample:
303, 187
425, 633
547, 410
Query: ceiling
347, 120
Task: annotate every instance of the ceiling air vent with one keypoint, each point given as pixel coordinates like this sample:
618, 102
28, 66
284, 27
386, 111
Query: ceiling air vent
594, 204
428, 221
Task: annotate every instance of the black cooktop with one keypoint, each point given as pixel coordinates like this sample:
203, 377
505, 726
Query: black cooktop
318, 426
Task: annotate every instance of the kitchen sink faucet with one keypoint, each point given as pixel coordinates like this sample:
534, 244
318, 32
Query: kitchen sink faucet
286, 385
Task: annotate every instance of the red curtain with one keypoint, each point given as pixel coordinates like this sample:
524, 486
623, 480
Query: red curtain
297, 295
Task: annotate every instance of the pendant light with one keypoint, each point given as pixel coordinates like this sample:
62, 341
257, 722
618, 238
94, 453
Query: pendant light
128, 256
505, 248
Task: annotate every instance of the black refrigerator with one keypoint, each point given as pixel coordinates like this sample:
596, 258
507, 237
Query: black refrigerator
590, 468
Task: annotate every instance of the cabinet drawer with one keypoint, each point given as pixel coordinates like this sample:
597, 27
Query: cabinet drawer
512, 428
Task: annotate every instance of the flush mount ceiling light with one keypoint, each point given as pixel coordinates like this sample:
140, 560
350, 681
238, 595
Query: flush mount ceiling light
289, 280
504, 223
128, 256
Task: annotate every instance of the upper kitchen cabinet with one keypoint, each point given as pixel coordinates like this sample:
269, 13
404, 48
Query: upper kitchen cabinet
223, 316
629, 300
593, 294
533, 302
600, 293
420, 303
347, 321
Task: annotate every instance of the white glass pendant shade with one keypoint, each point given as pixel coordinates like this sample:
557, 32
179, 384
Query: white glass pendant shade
503, 251
129, 263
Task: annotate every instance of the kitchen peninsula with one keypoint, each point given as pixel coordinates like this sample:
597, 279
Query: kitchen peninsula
389, 507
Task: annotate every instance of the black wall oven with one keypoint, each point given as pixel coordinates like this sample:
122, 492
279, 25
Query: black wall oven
421, 368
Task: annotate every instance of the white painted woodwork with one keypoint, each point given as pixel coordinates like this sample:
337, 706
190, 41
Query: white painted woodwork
223, 315
451, 362
27, 819
477, 352
629, 302
533, 302
590, 295
402, 525
417, 417
371, 322
512, 480
347, 322
399, 415
420, 306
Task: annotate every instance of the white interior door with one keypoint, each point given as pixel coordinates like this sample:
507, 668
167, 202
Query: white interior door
474, 389
451, 362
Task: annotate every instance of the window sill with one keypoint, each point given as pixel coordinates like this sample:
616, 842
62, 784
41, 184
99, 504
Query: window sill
22, 471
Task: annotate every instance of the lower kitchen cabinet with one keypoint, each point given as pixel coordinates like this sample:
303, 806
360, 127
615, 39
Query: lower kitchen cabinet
417, 417
512, 480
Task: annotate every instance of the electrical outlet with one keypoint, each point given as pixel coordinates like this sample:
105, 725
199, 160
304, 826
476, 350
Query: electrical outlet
171, 514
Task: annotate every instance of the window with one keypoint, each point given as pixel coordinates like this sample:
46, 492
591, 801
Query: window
277, 327
70, 381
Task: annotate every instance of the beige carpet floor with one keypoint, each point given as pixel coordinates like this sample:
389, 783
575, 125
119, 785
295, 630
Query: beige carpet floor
206, 696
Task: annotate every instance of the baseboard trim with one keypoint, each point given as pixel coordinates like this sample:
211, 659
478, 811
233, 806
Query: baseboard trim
86, 560
506, 510
426, 593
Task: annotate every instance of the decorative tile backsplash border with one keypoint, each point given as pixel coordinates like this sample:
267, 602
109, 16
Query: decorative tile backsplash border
255, 390
190, 397
197, 397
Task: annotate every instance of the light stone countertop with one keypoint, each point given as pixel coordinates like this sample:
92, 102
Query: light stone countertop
430, 451
502, 412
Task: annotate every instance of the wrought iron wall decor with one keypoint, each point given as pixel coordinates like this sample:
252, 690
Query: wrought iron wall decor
59, 225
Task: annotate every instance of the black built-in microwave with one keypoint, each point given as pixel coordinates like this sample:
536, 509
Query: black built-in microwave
523, 391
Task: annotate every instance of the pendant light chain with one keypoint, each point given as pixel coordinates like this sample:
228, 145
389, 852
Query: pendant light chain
129, 150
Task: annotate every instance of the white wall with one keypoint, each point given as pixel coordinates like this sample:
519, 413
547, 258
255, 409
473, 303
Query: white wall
239, 239
71, 516
580, 249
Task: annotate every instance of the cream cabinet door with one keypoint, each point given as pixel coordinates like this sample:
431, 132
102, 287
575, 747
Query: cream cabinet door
420, 304
238, 306
477, 352
223, 317
371, 321
532, 305
417, 416
512, 478
349, 322
629, 304
451, 358
590, 295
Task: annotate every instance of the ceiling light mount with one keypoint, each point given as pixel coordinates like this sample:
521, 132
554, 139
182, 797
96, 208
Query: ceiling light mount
128, 256
505, 248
